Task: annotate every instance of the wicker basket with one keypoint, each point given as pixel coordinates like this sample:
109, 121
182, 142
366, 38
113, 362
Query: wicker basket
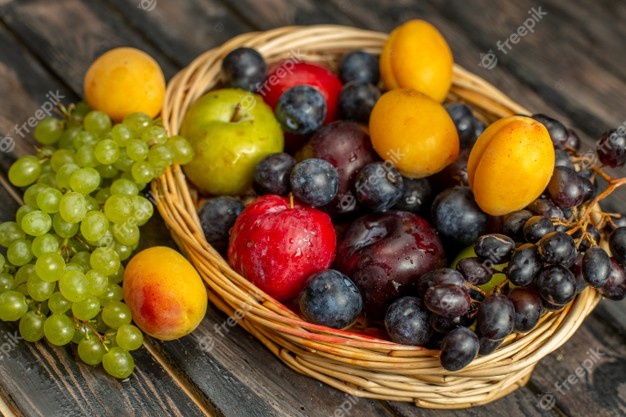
354, 363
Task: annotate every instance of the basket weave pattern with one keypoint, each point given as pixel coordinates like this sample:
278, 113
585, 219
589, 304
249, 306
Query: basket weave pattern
357, 364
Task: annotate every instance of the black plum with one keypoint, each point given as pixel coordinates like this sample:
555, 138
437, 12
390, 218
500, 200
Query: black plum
301, 109
464, 121
359, 66
217, 216
457, 217
244, 68
271, 175
378, 186
331, 299
407, 321
356, 101
385, 254
314, 181
417, 195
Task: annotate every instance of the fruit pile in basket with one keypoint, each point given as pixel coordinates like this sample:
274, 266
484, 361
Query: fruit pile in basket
388, 208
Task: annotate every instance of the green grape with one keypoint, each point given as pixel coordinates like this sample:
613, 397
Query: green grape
107, 151
62, 228
105, 260
3, 261
43, 154
24, 171
73, 207
129, 337
118, 277
183, 151
48, 200
38, 289
142, 172
85, 156
118, 363
58, 304
115, 314
112, 293
137, 150
124, 186
102, 195
23, 273
124, 162
44, 244
19, 252
118, 208
108, 171
59, 329
97, 283
61, 157
137, 122
86, 309
31, 326
84, 138
121, 134
71, 266
13, 305
123, 251
50, 266
97, 122
154, 135
82, 258
83, 332
21, 212
84, 180
78, 112
67, 137
91, 351
160, 156
126, 233
94, 226
6, 282
48, 130
92, 203
64, 174
47, 178
30, 194
106, 241
36, 223
73, 286
9, 232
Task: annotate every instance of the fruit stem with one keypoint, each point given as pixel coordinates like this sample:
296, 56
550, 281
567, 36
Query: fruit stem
291, 204
235, 116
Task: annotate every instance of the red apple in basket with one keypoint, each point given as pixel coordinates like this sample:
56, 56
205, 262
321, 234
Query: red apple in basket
278, 243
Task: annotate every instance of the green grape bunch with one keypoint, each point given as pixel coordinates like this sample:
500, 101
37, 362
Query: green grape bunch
83, 206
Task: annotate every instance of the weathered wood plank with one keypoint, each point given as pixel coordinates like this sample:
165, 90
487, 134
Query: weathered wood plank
182, 29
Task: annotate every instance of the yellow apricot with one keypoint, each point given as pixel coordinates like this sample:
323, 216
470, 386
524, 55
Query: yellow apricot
417, 56
510, 164
123, 81
413, 132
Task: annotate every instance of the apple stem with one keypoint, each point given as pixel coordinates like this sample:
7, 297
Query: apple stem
235, 115
291, 205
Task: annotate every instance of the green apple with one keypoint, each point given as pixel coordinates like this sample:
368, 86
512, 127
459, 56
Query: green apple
230, 131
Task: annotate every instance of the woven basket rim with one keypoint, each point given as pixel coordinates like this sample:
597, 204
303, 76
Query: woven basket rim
358, 364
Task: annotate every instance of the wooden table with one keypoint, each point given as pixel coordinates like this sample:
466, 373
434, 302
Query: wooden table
572, 66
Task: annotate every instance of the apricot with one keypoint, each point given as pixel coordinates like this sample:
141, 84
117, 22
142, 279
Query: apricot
124, 81
413, 132
510, 164
417, 56
164, 292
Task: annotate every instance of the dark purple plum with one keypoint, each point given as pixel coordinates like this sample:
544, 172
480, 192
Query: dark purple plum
357, 100
378, 186
243, 68
301, 109
359, 66
271, 175
457, 217
217, 216
407, 321
314, 181
458, 349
